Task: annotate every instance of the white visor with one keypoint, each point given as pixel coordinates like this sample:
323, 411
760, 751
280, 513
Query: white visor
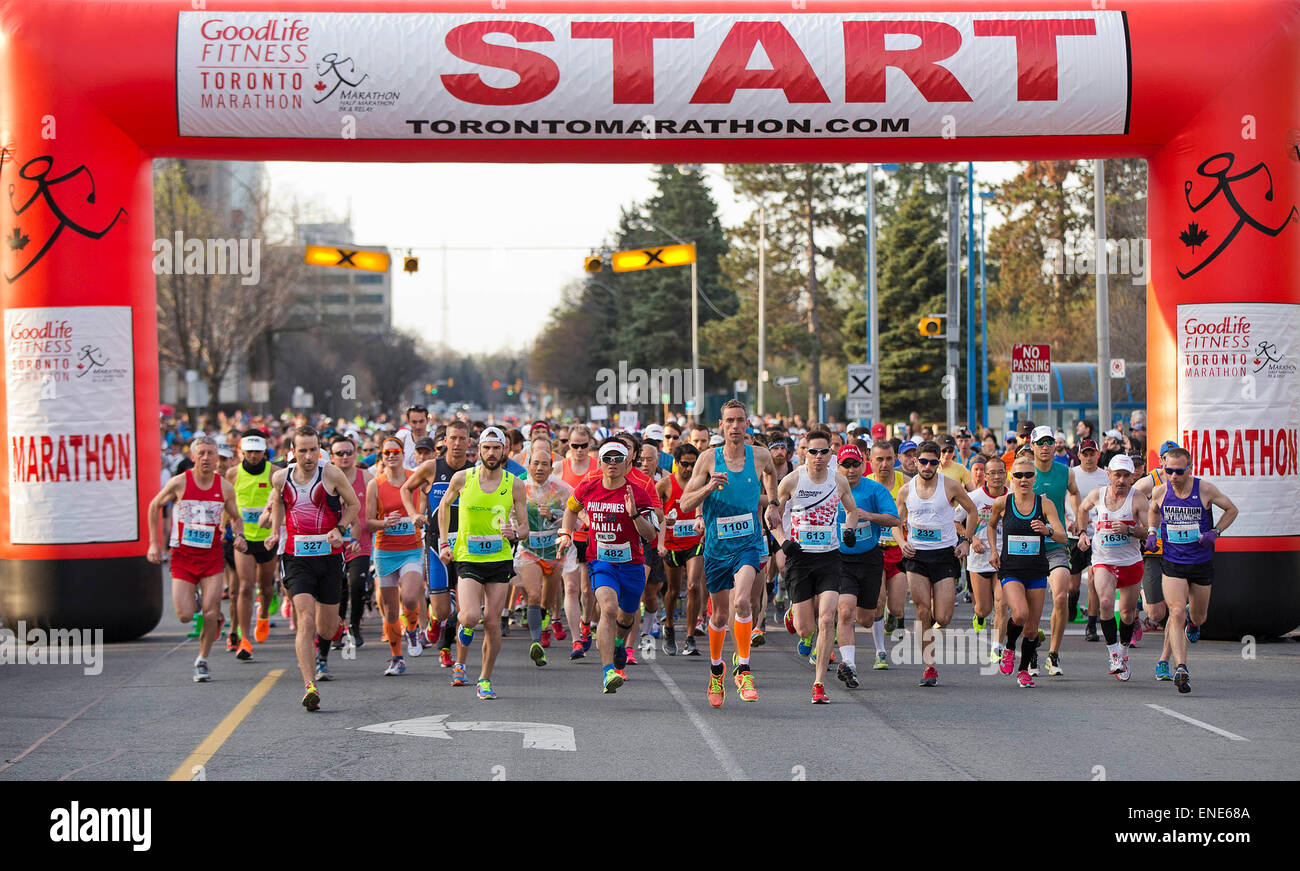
252, 443
613, 448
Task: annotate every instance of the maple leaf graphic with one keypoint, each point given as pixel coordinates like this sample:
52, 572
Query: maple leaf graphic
320, 86
18, 240
1193, 236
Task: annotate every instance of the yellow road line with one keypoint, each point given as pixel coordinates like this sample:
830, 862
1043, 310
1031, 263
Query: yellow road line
225, 728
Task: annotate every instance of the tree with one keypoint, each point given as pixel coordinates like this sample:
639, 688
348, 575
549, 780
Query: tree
206, 319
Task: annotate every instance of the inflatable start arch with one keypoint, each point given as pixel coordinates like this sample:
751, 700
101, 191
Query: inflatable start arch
1208, 91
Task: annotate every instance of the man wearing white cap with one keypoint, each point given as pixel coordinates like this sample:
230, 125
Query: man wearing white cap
252, 482
1055, 482
1117, 556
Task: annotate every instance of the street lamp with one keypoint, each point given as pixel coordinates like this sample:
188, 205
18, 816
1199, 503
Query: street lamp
647, 224
984, 315
872, 303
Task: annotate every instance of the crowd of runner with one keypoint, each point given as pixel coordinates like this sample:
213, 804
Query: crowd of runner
421, 535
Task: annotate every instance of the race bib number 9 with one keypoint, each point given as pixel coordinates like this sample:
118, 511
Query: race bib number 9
1023, 545
736, 526
1182, 533
483, 545
197, 535
311, 545
614, 553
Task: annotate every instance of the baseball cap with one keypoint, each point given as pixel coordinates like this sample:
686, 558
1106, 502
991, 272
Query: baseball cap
492, 435
1168, 446
426, 444
1025, 428
878, 431
947, 441
906, 446
1088, 445
1011, 437
1114, 434
849, 452
1120, 462
715, 439
252, 443
225, 451
1041, 432
654, 431
963, 433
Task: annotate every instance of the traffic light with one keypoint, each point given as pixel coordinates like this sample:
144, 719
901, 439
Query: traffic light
518, 384
496, 385
411, 264
592, 264
434, 391
451, 382
931, 327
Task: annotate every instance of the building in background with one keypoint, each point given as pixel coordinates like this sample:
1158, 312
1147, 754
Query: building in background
341, 298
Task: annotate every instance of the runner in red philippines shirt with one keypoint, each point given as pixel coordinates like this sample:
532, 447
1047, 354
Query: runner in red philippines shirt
197, 562
618, 509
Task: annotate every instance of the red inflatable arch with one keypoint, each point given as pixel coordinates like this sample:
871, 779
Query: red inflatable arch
1208, 91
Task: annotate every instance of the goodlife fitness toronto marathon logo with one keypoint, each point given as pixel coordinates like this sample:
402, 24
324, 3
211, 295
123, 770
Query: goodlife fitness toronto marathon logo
1228, 348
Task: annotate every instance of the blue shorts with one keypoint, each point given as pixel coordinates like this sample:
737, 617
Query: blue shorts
388, 562
439, 578
1035, 584
627, 580
720, 573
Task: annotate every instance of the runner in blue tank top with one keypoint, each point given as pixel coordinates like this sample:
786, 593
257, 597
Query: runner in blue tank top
1181, 510
726, 486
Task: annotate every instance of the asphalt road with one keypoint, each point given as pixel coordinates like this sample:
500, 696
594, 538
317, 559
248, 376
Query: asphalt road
142, 718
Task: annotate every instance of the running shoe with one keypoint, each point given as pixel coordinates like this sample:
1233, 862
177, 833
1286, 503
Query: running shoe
546, 638
323, 670
892, 623
337, 644
995, 654
689, 648
1124, 673
355, 632
245, 653
882, 662
812, 659
1192, 631
929, 677
201, 673
413, 647
789, 621
1116, 664
311, 698
585, 637
805, 646
1137, 632
262, 630
458, 678
819, 696
557, 629
1041, 636
849, 675
1033, 666
537, 654
1181, 678
396, 667
1162, 670
670, 641
1090, 633
1054, 664
445, 658
716, 694
631, 657
1008, 663
577, 652
977, 623
232, 642
620, 657
425, 642
758, 638
485, 691
1025, 680
613, 680
745, 684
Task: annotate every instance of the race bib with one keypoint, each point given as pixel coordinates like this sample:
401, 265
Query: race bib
886, 535
930, 534
197, 535
250, 515
311, 545
1182, 533
1023, 545
405, 527
541, 540
483, 545
813, 536
1111, 538
736, 526
614, 553
684, 529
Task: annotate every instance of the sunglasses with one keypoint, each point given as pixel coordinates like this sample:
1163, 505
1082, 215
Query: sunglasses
579, 447
817, 452
1023, 475
419, 408
1169, 471
1045, 441
393, 453
671, 438
613, 458
343, 453
686, 465
928, 462
849, 464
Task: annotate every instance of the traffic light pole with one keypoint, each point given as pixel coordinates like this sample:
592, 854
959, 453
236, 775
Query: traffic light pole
762, 304
696, 375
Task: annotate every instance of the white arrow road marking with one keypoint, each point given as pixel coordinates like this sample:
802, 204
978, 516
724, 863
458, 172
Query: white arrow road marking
536, 736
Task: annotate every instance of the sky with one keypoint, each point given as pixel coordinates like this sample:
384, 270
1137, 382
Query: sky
495, 213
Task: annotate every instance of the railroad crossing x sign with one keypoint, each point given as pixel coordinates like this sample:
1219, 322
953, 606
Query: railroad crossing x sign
861, 398
652, 258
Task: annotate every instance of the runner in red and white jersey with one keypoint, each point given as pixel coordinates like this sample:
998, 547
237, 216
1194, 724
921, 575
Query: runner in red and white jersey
197, 561
681, 544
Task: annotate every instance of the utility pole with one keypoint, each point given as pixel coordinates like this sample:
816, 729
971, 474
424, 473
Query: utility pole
1103, 300
954, 297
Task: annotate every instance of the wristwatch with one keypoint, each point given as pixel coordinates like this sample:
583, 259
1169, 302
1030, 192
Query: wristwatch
964, 538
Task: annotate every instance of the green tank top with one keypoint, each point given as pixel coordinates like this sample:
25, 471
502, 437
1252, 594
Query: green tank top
480, 515
252, 492
1053, 484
